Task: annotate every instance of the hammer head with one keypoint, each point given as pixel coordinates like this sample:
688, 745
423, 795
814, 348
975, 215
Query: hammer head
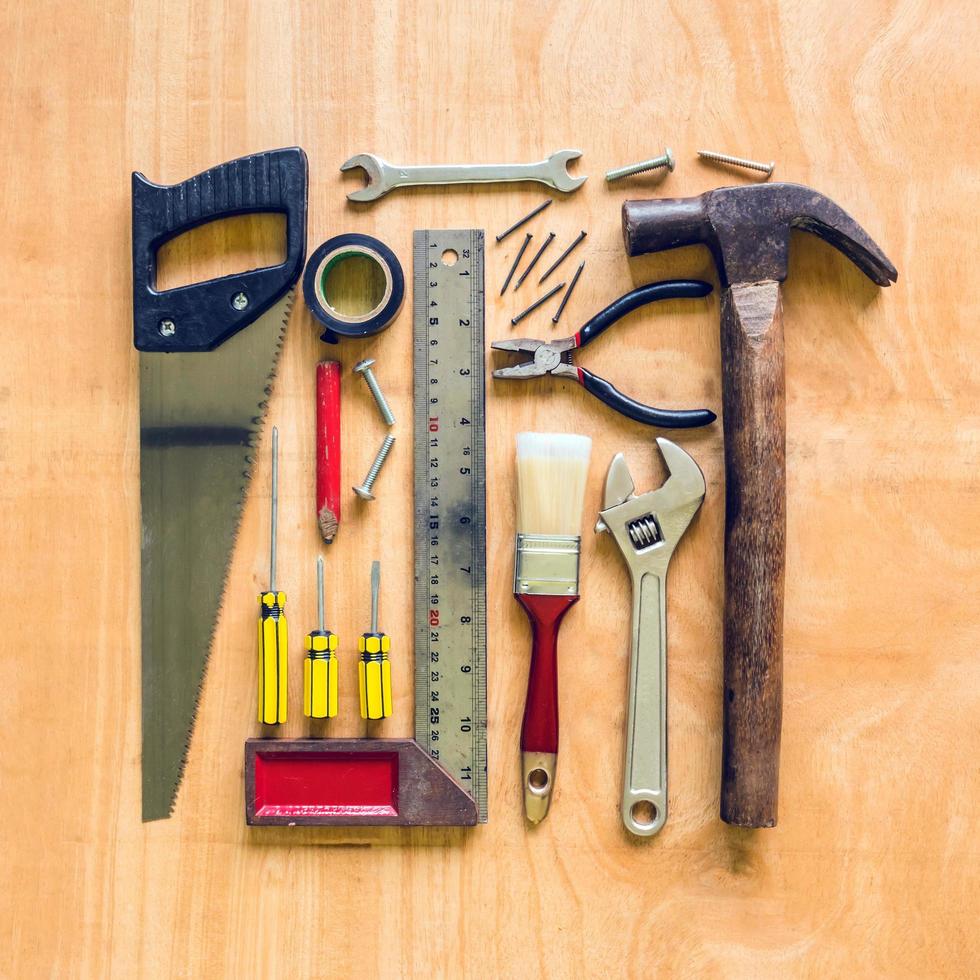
747, 229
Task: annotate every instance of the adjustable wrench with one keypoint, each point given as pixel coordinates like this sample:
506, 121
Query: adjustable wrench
383, 176
647, 528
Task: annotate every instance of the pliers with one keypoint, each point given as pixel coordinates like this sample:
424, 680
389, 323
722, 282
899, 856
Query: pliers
555, 357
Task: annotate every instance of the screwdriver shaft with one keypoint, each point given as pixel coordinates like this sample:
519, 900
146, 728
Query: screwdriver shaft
319, 591
275, 509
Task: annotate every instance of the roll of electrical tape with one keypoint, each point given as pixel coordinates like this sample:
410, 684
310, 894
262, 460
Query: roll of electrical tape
316, 287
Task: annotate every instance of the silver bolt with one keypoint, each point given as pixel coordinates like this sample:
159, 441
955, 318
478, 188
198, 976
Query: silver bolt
167, 328
364, 368
364, 490
765, 168
239, 301
666, 160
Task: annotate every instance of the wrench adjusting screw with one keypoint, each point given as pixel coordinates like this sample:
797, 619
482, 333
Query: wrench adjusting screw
364, 490
657, 163
363, 368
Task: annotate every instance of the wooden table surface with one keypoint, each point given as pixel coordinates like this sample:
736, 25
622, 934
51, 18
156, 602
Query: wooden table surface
873, 869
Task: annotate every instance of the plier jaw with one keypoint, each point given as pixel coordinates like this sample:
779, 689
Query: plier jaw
552, 357
555, 357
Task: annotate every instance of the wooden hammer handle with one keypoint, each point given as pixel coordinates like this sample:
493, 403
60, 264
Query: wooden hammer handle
755, 549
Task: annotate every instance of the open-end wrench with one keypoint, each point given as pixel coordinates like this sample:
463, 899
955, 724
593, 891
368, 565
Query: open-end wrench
383, 177
647, 528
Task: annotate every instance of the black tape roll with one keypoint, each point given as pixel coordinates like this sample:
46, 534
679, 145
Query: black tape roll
339, 324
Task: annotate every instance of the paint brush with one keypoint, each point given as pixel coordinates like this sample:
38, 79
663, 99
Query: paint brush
551, 474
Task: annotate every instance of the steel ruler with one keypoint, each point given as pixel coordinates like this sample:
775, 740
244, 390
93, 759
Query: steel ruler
450, 506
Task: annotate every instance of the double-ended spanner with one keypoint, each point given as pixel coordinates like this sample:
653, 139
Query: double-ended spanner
647, 528
383, 177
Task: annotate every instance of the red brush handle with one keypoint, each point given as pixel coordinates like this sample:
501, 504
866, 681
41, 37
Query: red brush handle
328, 448
539, 732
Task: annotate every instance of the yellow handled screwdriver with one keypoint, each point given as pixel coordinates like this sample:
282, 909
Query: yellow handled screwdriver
320, 666
374, 670
272, 623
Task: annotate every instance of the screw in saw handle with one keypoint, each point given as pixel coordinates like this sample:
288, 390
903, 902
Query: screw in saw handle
272, 622
374, 670
320, 665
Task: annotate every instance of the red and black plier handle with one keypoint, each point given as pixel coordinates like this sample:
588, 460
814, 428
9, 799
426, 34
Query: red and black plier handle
556, 357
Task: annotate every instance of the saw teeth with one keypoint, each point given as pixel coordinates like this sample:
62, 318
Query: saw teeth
254, 435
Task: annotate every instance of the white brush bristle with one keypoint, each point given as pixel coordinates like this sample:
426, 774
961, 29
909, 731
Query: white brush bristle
551, 473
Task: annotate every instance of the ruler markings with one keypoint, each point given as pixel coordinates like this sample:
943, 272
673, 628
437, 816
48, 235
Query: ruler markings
450, 506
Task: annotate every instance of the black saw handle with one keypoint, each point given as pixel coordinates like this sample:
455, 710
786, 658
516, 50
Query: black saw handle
663, 417
200, 316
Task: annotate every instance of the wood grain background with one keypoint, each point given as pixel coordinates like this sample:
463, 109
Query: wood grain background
873, 870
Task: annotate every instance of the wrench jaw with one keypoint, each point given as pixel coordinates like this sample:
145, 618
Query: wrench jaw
648, 526
619, 483
685, 485
562, 180
374, 168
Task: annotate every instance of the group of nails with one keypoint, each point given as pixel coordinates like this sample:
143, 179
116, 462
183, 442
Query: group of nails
666, 161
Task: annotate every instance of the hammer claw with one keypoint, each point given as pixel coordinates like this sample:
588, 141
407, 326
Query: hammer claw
747, 229
846, 235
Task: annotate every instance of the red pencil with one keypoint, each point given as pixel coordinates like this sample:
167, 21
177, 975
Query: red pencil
328, 448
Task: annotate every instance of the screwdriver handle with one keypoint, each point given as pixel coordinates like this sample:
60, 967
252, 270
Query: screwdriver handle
320, 675
374, 675
272, 658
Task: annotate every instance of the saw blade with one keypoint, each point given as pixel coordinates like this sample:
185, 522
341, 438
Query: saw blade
200, 414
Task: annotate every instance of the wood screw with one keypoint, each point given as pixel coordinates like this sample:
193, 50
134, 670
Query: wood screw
765, 168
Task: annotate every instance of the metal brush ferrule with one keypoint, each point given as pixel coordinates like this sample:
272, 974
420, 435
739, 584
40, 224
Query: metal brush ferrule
547, 564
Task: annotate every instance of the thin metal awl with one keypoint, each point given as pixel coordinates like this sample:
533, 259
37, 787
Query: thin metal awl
274, 520
319, 592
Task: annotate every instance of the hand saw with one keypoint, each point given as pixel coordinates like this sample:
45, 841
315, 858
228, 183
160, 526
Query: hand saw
204, 380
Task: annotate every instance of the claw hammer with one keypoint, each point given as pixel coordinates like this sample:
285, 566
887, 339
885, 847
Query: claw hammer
748, 231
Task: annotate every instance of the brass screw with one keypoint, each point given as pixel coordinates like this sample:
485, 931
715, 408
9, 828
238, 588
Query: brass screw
764, 168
